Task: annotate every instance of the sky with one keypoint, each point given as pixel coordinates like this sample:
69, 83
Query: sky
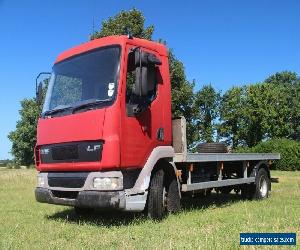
223, 43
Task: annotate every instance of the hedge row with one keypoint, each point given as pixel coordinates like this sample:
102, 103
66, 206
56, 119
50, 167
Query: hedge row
289, 151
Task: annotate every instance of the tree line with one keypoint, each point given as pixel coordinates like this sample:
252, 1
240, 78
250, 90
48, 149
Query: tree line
246, 115
242, 116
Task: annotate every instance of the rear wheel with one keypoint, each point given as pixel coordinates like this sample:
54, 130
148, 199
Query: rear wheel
259, 190
263, 185
163, 195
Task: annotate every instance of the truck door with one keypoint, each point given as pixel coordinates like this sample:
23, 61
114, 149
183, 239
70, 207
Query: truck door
143, 132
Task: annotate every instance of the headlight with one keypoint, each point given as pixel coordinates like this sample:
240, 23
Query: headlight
40, 181
108, 183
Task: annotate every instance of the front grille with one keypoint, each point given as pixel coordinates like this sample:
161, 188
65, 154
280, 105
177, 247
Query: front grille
84, 151
67, 180
65, 194
68, 152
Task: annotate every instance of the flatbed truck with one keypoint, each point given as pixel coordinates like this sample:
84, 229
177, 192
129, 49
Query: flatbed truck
106, 138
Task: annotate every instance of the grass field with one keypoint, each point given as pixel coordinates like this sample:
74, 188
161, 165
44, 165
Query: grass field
209, 223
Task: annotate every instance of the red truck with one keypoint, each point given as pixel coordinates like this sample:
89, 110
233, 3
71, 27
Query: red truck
106, 139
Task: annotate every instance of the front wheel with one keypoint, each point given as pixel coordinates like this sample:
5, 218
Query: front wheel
163, 195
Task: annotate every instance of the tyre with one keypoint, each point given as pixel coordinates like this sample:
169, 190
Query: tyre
83, 211
258, 190
163, 196
263, 183
212, 148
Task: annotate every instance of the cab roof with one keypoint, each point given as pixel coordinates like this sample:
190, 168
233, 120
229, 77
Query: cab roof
112, 40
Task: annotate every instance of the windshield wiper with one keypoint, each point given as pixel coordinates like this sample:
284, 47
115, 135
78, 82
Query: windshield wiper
89, 104
54, 111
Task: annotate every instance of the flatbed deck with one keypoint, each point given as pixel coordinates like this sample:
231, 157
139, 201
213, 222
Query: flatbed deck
219, 158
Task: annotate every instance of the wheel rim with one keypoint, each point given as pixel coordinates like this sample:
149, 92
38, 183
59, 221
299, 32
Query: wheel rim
263, 187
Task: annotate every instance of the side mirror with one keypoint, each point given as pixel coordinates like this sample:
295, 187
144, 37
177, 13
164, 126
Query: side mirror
143, 62
39, 86
39, 94
140, 88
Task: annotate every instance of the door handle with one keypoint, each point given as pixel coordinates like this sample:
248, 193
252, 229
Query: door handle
160, 134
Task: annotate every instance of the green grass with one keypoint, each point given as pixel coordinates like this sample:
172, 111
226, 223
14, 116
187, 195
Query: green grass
209, 223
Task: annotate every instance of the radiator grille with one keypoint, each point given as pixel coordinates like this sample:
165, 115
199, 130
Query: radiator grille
68, 152
84, 151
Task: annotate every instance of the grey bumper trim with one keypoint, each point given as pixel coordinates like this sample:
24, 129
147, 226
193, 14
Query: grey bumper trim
88, 185
93, 199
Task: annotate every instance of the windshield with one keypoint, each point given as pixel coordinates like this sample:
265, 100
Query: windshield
87, 78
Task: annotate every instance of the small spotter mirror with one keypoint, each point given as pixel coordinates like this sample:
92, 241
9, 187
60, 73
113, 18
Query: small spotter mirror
42, 78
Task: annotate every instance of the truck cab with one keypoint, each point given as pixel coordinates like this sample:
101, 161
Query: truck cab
106, 115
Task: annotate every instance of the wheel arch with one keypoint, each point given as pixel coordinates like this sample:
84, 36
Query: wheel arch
160, 157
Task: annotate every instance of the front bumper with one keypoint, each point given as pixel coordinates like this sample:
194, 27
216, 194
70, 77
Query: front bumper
87, 196
92, 199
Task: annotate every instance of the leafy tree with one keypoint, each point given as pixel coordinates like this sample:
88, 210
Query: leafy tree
284, 105
295, 113
24, 137
231, 115
255, 114
243, 115
207, 107
284, 77
252, 113
132, 19
183, 97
